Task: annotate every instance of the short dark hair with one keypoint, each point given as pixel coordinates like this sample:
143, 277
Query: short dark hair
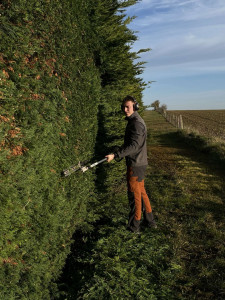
129, 98
132, 99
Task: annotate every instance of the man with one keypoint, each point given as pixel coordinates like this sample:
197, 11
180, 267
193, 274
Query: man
134, 150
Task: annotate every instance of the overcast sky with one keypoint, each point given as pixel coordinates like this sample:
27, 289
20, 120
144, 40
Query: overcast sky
187, 60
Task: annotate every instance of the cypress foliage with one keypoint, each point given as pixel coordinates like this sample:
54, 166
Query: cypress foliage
64, 67
119, 76
48, 121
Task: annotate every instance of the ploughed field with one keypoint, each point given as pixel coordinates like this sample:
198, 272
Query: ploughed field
209, 123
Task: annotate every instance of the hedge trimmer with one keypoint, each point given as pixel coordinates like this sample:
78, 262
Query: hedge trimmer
81, 167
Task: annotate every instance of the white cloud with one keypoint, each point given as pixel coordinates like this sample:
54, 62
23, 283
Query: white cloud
181, 41
170, 5
187, 40
158, 73
173, 11
198, 45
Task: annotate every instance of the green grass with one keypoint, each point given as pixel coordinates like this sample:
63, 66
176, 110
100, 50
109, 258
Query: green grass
183, 258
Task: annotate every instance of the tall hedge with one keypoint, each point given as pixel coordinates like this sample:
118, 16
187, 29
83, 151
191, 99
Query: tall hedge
119, 76
64, 67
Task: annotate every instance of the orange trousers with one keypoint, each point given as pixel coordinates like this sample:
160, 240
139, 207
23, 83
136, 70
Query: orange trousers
137, 193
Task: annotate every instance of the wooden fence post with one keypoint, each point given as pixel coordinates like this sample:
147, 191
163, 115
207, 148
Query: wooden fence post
175, 120
181, 122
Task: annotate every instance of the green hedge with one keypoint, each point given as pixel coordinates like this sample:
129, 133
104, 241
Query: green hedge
65, 65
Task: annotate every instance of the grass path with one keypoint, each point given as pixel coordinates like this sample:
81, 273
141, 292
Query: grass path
184, 257
188, 190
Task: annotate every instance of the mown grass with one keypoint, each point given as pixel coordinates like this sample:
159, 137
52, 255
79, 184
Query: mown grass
184, 257
189, 195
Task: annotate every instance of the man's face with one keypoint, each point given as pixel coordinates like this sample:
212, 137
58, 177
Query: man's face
128, 108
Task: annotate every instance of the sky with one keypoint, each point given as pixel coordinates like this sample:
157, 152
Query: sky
187, 57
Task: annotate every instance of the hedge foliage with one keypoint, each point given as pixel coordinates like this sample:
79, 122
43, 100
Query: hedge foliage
64, 67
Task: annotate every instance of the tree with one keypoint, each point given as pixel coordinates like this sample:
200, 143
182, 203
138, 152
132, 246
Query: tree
164, 107
155, 104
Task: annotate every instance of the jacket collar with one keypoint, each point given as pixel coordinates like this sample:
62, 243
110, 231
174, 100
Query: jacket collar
134, 114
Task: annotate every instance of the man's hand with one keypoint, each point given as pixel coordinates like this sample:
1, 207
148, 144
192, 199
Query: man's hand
110, 157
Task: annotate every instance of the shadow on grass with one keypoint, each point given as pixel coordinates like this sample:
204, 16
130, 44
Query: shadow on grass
194, 218
210, 157
79, 267
196, 148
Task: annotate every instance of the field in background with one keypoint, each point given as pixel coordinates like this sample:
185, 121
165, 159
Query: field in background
210, 123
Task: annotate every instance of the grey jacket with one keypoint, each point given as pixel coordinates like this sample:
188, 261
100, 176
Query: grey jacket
134, 147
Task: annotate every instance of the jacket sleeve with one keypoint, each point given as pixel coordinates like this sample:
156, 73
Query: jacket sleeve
136, 139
